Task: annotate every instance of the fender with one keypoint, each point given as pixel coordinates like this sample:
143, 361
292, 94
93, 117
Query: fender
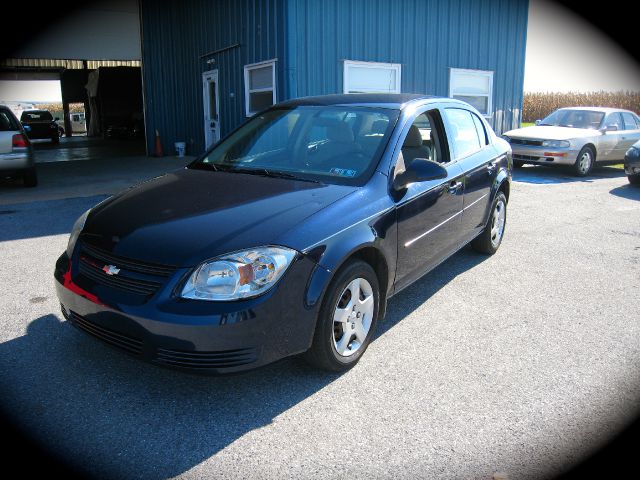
503, 175
378, 233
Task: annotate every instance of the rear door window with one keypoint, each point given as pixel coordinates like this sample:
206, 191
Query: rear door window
629, 121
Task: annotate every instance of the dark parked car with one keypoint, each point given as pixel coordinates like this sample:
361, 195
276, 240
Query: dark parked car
632, 164
289, 235
40, 124
16, 154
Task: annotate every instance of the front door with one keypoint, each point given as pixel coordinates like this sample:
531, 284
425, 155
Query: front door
428, 213
211, 108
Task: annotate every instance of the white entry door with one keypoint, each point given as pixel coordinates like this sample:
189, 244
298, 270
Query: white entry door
211, 108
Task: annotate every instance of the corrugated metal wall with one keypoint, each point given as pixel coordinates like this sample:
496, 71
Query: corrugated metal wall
176, 34
427, 37
310, 39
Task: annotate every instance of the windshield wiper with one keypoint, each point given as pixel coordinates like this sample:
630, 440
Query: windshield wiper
203, 166
264, 172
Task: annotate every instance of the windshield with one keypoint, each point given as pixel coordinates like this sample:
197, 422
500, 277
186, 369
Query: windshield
341, 144
34, 116
574, 119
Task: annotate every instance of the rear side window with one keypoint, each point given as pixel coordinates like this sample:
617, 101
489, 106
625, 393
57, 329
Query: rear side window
629, 121
462, 132
7, 123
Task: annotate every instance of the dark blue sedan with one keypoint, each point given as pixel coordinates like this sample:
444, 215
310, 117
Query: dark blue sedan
290, 235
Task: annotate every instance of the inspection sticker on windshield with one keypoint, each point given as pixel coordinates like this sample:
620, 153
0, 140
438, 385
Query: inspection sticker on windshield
343, 172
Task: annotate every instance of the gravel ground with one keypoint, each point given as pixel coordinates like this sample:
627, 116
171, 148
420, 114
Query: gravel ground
522, 363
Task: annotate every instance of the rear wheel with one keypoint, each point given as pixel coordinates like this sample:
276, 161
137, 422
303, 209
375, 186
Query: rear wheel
634, 179
347, 319
30, 177
585, 162
55, 139
490, 239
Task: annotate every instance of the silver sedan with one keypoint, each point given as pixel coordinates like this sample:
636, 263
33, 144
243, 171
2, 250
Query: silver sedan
577, 136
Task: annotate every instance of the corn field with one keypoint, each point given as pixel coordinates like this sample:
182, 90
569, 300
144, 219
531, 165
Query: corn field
539, 105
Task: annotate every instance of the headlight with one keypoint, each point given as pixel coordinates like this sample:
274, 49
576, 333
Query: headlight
238, 275
504, 137
556, 143
632, 153
75, 232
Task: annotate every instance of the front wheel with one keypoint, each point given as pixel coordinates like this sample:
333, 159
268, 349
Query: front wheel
634, 179
585, 162
491, 237
347, 319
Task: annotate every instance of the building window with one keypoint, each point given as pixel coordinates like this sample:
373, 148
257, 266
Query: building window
474, 87
259, 86
371, 77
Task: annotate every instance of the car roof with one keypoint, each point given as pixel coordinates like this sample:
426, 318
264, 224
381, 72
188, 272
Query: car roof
383, 100
597, 109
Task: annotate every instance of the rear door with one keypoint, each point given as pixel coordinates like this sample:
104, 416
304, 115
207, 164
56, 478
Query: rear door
630, 133
474, 154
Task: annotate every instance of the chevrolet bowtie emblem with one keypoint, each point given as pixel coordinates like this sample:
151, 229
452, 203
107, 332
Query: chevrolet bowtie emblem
110, 269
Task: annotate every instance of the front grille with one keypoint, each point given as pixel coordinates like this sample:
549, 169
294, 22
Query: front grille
134, 276
523, 141
202, 360
529, 158
124, 342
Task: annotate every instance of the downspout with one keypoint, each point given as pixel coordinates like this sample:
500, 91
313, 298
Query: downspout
291, 50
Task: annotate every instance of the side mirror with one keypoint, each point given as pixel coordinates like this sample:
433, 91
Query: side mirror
419, 170
538, 122
609, 128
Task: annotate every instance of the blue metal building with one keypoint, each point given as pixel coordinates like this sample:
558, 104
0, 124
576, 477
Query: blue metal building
208, 64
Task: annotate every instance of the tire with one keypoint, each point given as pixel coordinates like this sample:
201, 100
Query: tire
585, 162
30, 178
55, 140
491, 237
634, 179
339, 339
518, 164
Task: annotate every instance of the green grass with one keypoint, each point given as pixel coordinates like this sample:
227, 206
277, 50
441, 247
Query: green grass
524, 124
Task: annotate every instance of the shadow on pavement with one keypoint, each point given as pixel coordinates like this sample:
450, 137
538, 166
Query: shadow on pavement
108, 415
632, 192
41, 219
541, 174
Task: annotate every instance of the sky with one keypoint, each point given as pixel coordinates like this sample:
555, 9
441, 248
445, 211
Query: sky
567, 53
564, 53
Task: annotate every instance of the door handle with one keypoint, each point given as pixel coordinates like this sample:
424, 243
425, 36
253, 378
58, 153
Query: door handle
491, 168
454, 187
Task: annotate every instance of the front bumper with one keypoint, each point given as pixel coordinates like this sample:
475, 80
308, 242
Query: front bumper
200, 336
632, 167
544, 155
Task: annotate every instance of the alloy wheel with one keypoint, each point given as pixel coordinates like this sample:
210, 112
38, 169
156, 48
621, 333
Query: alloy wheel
498, 219
352, 317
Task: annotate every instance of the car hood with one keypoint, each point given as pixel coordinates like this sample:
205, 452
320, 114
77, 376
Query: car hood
544, 132
185, 217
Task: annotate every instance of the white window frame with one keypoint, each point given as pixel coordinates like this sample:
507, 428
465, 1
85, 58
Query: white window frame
480, 73
391, 66
248, 91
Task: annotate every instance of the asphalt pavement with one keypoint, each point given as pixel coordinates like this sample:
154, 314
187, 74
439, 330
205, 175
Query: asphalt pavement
522, 363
